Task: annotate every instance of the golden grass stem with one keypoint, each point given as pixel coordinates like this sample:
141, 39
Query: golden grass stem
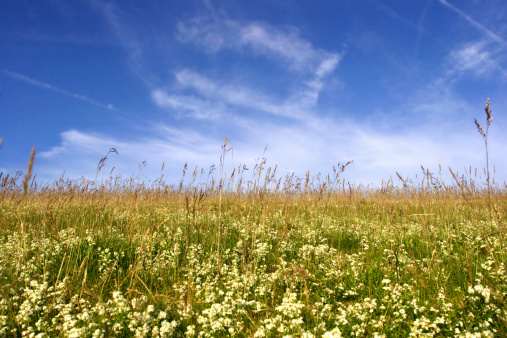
28, 171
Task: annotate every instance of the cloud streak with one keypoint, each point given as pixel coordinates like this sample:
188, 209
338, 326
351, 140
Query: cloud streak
474, 23
40, 84
127, 37
395, 16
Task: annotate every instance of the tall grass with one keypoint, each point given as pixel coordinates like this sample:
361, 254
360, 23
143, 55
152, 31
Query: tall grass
484, 134
298, 257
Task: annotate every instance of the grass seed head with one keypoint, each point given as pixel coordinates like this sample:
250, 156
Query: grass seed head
479, 128
488, 113
28, 171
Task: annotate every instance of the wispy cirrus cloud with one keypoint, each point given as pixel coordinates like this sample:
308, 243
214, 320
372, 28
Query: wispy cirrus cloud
214, 99
239, 95
170, 143
88, 144
29, 80
319, 145
189, 105
483, 58
495, 37
397, 17
477, 58
69, 38
288, 46
79, 153
127, 37
283, 44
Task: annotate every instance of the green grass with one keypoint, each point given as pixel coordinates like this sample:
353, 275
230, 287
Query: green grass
293, 260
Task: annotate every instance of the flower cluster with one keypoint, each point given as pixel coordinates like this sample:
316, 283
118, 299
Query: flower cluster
160, 273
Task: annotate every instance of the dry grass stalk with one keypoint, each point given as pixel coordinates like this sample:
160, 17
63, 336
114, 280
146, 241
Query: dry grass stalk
28, 171
484, 135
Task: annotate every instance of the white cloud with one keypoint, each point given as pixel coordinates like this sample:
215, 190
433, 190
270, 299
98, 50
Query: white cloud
203, 31
327, 66
88, 144
286, 45
189, 106
282, 44
79, 153
475, 58
217, 98
314, 145
188, 78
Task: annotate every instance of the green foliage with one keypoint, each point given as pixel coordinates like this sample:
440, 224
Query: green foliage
139, 261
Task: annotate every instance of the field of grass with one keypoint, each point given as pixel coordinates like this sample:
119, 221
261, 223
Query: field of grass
266, 258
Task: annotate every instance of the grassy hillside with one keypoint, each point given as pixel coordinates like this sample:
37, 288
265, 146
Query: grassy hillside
298, 257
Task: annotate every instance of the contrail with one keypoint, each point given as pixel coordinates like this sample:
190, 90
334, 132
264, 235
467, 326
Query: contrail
474, 23
395, 16
40, 84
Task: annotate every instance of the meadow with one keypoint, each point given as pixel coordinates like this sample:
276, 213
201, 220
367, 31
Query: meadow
252, 255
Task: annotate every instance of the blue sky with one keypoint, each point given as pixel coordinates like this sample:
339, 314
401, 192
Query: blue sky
391, 85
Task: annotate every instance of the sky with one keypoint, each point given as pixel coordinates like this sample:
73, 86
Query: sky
390, 85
